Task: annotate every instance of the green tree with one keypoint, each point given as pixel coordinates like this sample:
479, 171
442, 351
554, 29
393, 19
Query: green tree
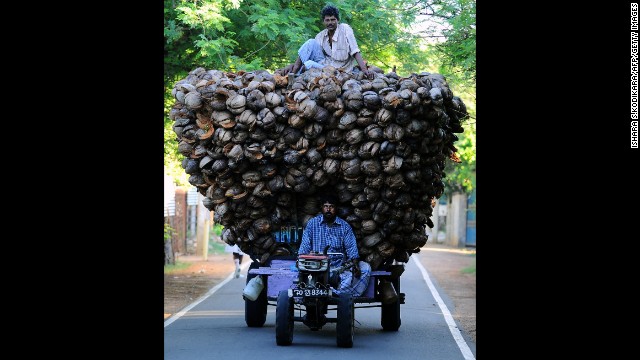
458, 52
234, 35
461, 177
449, 26
457, 56
453, 24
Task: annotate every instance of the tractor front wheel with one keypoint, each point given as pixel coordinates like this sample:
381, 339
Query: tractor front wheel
284, 319
345, 322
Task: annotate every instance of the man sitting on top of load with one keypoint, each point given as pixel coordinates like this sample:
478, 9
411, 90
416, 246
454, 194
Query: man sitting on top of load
334, 46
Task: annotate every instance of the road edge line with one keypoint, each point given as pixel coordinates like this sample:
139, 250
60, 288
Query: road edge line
455, 332
184, 310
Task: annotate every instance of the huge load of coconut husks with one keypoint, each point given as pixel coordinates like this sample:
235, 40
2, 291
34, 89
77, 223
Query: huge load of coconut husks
261, 148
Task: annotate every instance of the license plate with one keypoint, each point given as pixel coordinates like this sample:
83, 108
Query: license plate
310, 292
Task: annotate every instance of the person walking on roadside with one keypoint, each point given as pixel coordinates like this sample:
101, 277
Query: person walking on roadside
237, 258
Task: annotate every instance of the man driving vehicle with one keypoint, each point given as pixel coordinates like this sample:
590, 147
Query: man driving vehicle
329, 229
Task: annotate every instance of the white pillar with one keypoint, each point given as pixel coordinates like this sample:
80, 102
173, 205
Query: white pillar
192, 224
433, 238
202, 237
457, 221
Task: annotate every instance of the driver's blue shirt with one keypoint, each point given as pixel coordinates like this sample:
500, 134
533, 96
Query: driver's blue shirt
338, 235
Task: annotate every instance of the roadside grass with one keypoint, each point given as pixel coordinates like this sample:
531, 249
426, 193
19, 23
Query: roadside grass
179, 265
216, 247
471, 269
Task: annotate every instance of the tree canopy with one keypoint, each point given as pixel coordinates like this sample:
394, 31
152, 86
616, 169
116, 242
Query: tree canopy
248, 35
234, 35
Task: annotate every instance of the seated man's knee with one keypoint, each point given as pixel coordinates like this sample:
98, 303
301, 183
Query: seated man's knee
310, 64
309, 42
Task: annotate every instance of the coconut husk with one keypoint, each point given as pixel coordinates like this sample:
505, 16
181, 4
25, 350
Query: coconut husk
354, 136
258, 134
281, 113
343, 211
206, 162
185, 148
334, 137
262, 226
353, 100
291, 135
266, 119
385, 249
291, 157
363, 213
374, 182
359, 200
192, 167
276, 184
331, 166
354, 221
217, 194
344, 195
256, 100
372, 239
319, 178
374, 132
371, 100
296, 121
348, 121
307, 109
350, 167
336, 107
371, 167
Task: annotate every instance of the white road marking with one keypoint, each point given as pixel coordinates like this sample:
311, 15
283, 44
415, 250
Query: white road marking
201, 299
455, 332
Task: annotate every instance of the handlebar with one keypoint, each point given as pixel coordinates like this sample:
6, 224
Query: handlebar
332, 253
326, 249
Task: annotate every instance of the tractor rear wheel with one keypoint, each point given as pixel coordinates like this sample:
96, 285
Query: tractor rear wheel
390, 313
255, 312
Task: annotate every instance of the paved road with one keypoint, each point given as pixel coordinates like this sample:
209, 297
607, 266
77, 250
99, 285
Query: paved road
215, 328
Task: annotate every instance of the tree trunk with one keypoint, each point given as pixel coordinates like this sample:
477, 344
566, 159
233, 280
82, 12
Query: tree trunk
169, 256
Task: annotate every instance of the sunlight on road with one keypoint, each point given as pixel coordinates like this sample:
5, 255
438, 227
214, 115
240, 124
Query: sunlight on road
214, 313
451, 250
